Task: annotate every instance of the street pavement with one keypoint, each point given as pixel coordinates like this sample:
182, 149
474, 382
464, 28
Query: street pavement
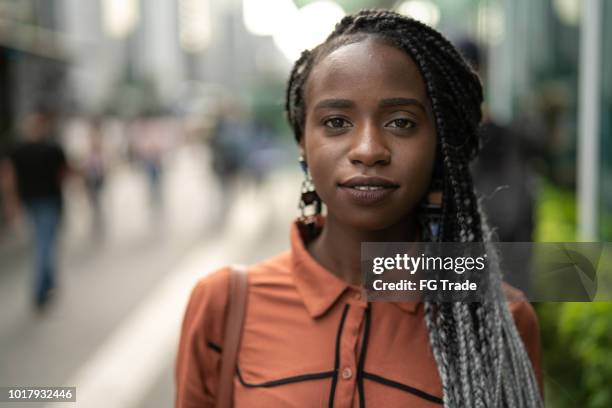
113, 327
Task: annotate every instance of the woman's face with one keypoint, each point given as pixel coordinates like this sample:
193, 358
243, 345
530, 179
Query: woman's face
368, 115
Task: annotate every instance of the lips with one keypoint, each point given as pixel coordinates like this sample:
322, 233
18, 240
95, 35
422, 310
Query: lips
365, 190
366, 183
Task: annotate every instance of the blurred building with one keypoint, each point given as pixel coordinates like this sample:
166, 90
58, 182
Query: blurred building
606, 126
549, 74
33, 62
131, 53
127, 57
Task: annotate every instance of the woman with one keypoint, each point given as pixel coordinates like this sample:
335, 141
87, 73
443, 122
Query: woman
385, 112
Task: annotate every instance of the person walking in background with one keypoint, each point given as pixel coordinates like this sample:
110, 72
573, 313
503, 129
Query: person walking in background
230, 146
149, 144
501, 171
94, 172
503, 179
32, 175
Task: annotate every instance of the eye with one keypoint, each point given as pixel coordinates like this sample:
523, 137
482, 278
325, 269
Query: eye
337, 123
401, 123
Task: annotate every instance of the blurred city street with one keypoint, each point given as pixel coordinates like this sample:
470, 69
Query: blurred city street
157, 132
122, 294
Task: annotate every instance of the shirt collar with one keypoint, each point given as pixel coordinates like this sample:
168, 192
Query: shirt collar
318, 287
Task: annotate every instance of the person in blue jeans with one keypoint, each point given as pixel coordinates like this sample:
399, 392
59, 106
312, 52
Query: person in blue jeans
45, 216
32, 175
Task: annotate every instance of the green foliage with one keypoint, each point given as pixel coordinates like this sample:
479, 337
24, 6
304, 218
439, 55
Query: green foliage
555, 214
577, 345
576, 337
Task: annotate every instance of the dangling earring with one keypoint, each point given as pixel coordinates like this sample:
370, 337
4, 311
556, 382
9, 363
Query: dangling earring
310, 202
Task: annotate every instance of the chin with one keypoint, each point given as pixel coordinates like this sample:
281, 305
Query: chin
369, 220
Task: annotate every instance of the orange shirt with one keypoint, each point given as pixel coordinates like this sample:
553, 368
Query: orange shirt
303, 342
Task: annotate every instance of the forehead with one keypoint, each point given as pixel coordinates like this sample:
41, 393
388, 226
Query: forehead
369, 68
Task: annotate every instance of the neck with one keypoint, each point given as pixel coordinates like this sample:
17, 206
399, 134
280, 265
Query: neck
338, 247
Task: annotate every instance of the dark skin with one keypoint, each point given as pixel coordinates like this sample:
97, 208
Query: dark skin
367, 114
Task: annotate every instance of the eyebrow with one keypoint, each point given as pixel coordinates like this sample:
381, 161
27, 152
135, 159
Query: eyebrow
385, 103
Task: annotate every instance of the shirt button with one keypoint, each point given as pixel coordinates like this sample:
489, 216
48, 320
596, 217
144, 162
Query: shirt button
347, 373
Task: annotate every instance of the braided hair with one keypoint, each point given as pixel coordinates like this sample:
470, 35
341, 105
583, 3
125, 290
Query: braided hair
480, 357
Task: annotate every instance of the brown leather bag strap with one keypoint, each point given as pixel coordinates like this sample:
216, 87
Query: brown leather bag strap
238, 292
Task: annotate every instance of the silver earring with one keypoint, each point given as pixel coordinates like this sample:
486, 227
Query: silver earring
310, 203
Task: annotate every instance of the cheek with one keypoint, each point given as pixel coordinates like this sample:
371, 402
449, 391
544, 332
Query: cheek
322, 160
324, 155
417, 161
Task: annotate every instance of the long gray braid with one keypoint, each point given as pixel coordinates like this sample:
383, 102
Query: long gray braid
480, 357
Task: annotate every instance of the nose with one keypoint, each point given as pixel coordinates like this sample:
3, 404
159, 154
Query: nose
369, 148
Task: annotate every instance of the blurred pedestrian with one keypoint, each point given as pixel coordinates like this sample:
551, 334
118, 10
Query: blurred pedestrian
94, 173
501, 171
504, 181
230, 147
264, 155
32, 177
149, 143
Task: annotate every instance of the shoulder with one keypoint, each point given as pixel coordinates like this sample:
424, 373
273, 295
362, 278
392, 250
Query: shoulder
196, 368
205, 309
522, 311
209, 296
526, 321
213, 289
275, 269
6, 152
524, 314
14, 152
207, 288
56, 149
